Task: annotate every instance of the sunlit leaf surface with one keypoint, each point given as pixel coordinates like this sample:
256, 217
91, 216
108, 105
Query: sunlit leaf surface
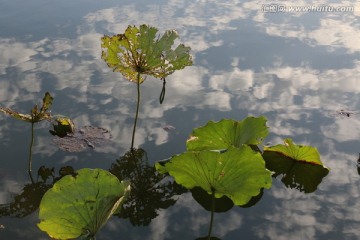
228, 132
300, 165
142, 50
80, 205
237, 173
296, 152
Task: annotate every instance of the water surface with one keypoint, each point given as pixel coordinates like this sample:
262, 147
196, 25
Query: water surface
295, 68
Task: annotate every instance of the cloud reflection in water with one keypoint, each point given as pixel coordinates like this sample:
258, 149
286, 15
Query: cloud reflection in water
306, 70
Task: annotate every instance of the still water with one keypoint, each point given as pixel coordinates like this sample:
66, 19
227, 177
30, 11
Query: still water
297, 68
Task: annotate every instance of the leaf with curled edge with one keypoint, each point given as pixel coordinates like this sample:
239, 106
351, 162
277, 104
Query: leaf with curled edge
300, 166
300, 153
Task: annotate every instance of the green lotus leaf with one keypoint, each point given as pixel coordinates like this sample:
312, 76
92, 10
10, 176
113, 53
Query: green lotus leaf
141, 50
35, 115
80, 204
238, 173
300, 165
296, 152
228, 132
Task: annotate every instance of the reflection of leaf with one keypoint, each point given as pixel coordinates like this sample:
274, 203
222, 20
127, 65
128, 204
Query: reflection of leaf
140, 50
45, 173
300, 165
206, 200
86, 137
35, 115
254, 200
26, 202
237, 173
208, 238
77, 206
149, 190
226, 133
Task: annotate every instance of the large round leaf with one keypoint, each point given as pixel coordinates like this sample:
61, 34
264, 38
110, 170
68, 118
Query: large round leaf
79, 205
228, 132
237, 173
300, 165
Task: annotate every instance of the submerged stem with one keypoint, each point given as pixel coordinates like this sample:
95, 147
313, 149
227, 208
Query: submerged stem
30, 152
137, 110
212, 213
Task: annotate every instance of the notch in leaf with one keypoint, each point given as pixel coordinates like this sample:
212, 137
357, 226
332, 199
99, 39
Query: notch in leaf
35, 115
300, 165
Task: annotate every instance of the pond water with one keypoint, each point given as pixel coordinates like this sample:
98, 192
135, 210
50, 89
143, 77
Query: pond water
299, 69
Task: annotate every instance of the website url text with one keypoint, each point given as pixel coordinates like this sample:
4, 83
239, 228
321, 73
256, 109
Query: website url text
275, 8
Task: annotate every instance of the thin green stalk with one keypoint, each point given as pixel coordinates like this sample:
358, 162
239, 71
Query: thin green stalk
30, 152
212, 213
137, 110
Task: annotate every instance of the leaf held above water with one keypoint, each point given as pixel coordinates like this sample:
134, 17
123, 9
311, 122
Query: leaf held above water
297, 152
141, 50
81, 205
228, 132
35, 115
300, 165
237, 173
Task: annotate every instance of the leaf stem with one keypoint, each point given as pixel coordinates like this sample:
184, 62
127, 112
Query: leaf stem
137, 109
212, 213
30, 152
